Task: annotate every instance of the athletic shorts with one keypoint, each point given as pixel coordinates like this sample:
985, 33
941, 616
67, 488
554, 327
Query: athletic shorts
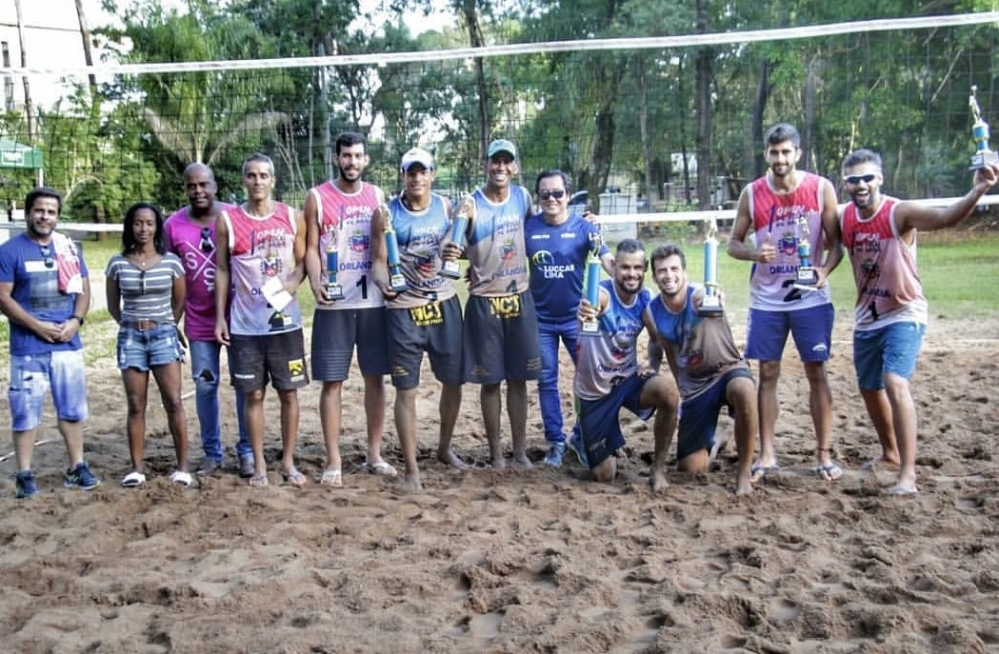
501, 339
145, 349
277, 358
811, 329
31, 379
598, 421
434, 328
336, 332
891, 349
699, 416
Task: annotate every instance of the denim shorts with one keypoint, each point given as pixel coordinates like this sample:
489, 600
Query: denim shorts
31, 378
891, 349
147, 349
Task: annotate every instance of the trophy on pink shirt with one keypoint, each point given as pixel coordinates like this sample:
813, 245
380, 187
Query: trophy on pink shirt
807, 276
980, 133
333, 290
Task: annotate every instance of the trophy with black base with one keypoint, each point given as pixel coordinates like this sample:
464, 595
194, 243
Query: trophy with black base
980, 133
592, 294
333, 290
807, 278
711, 302
459, 231
397, 281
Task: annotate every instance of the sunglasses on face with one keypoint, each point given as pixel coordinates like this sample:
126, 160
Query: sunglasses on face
557, 194
853, 180
46, 251
206, 240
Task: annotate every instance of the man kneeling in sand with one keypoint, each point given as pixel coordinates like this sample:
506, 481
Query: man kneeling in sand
608, 376
707, 364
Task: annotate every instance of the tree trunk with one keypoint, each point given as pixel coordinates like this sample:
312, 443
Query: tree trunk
808, 130
763, 89
29, 108
476, 40
704, 66
643, 124
88, 56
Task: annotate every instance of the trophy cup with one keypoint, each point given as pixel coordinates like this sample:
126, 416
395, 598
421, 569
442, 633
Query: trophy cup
980, 133
459, 229
592, 294
397, 281
333, 290
807, 277
711, 302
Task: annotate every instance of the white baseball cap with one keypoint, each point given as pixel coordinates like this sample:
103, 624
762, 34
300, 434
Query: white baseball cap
417, 156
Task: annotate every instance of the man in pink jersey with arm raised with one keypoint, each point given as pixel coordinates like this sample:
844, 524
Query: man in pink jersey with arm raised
785, 210
338, 217
890, 317
190, 234
261, 249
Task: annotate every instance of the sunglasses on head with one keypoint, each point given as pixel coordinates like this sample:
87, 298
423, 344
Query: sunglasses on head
557, 194
46, 251
206, 240
853, 180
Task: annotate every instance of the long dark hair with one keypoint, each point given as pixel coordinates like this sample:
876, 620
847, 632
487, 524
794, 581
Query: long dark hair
128, 232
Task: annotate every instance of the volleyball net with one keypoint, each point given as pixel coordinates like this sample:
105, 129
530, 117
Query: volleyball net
650, 125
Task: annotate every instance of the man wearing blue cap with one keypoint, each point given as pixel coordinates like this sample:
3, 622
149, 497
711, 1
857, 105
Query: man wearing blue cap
501, 334
426, 317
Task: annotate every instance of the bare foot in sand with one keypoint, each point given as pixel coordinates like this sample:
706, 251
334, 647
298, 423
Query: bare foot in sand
448, 457
498, 463
521, 461
743, 485
412, 483
881, 463
658, 482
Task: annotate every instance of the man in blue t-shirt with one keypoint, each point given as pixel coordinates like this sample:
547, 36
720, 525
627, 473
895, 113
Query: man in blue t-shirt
558, 245
45, 294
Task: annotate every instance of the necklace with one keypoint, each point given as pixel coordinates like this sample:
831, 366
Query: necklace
410, 206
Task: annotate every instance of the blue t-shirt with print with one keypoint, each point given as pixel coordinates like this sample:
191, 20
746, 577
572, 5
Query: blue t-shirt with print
36, 290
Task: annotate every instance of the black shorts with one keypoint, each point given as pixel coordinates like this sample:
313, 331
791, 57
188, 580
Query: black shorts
336, 332
278, 358
501, 339
434, 328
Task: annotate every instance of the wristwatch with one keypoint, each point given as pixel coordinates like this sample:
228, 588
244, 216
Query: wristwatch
79, 319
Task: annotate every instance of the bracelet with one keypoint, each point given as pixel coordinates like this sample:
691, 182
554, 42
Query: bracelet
79, 319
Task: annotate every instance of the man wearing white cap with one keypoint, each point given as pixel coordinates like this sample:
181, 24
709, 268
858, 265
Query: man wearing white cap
426, 317
338, 215
501, 335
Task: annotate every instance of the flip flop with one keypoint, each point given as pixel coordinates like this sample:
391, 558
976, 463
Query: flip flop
294, 477
331, 478
756, 473
902, 490
133, 480
181, 477
829, 471
258, 480
381, 468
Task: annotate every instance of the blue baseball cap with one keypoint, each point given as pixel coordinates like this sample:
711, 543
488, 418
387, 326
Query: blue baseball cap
501, 145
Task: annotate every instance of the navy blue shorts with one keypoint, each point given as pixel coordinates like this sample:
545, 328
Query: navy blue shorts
599, 426
335, 333
699, 416
501, 339
811, 329
434, 328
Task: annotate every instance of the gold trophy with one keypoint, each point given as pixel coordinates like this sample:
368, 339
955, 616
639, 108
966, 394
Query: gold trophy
980, 133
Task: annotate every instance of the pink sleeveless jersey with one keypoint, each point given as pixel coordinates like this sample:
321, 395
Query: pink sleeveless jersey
261, 249
776, 218
183, 238
884, 268
345, 219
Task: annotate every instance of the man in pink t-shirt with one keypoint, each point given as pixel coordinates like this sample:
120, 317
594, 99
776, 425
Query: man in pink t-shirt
190, 234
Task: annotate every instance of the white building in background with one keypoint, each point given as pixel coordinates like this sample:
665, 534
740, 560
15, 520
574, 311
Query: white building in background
52, 40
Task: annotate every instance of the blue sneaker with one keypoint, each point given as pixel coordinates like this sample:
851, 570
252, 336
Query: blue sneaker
576, 445
555, 453
81, 477
24, 485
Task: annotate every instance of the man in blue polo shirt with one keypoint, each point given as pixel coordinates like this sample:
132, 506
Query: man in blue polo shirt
45, 294
558, 245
